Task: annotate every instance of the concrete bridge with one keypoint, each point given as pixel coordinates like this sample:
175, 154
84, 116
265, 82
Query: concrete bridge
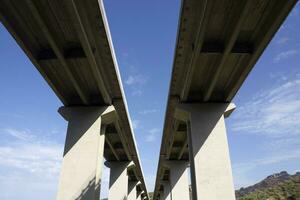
218, 43
70, 44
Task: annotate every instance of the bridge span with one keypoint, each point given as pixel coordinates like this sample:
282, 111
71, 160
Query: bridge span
218, 43
70, 45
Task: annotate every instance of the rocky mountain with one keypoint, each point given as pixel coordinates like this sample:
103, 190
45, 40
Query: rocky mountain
279, 186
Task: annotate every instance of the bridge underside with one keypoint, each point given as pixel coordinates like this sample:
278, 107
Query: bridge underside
218, 44
70, 45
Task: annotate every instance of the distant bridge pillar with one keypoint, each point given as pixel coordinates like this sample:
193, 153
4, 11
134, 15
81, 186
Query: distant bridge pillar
166, 194
211, 174
179, 183
83, 154
132, 191
139, 195
118, 180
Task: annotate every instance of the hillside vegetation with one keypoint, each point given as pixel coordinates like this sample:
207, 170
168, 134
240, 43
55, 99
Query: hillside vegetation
281, 186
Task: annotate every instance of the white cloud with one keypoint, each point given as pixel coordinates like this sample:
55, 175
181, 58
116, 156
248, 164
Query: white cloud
29, 164
136, 80
19, 134
151, 137
136, 83
149, 111
27, 153
284, 55
42, 160
273, 113
282, 40
136, 92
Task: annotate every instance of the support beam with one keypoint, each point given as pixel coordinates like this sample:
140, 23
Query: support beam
118, 180
183, 148
112, 149
179, 183
124, 144
205, 10
230, 45
217, 48
70, 53
83, 154
211, 174
80, 19
171, 141
272, 24
57, 50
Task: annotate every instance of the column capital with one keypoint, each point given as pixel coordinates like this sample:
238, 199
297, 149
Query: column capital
184, 110
107, 113
169, 163
110, 164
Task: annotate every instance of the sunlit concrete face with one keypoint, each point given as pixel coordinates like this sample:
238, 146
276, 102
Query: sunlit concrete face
132, 193
118, 180
83, 153
139, 196
179, 183
211, 174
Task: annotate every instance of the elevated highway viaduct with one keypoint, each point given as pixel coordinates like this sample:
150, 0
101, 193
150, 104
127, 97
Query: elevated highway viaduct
218, 43
69, 43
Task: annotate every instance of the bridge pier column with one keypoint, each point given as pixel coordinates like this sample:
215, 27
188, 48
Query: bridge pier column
166, 194
118, 180
179, 183
83, 154
139, 195
211, 174
132, 192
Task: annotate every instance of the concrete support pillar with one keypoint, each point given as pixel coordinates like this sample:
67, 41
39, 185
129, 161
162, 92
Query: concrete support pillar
138, 192
211, 174
139, 196
118, 180
166, 194
179, 183
132, 193
83, 154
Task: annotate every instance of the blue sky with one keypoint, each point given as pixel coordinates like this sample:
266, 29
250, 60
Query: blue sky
263, 132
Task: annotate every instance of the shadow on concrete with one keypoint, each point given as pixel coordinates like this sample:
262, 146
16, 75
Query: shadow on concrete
91, 191
79, 121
